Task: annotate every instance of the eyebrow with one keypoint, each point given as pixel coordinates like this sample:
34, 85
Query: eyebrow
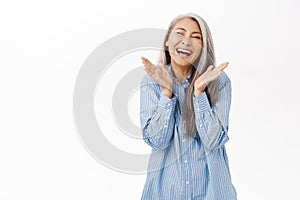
185, 30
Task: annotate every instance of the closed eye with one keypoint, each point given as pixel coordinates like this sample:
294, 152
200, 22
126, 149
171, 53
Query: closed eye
197, 37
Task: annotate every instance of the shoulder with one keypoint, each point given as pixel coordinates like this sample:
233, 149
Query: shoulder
148, 82
147, 79
223, 80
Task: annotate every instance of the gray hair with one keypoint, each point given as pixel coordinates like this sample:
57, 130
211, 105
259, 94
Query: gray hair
205, 59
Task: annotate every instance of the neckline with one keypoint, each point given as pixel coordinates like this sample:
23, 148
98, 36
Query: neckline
184, 82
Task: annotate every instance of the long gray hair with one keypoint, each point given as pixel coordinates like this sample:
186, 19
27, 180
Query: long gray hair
205, 59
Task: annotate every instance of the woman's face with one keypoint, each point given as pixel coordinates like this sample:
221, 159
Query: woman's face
185, 42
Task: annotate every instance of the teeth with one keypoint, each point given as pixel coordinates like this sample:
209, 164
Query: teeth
184, 51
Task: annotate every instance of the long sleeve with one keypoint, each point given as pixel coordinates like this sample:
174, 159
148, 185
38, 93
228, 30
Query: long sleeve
212, 123
193, 176
156, 114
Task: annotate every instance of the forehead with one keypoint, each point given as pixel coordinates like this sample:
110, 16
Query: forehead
188, 24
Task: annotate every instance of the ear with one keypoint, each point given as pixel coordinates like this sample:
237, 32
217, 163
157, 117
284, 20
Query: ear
167, 43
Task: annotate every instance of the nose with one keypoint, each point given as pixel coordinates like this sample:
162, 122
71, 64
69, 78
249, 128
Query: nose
186, 41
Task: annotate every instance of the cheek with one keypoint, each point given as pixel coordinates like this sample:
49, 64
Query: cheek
173, 40
198, 50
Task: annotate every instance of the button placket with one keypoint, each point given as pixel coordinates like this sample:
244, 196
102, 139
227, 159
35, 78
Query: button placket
185, 167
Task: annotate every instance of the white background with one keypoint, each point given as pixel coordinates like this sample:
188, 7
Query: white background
44, 43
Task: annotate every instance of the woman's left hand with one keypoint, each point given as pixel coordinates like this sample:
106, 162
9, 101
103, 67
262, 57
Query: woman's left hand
208, 76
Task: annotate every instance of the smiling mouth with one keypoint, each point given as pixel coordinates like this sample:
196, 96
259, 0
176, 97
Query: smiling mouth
183, 52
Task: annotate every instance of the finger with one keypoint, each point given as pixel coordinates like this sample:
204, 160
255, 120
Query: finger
148, 64
216, 75
222, 66
152, 74
162, 66
149, 71
149, 68
211, 67
145, 61
219, 73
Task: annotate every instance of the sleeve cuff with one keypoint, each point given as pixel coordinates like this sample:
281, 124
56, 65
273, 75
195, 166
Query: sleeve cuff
167, 104
201, 103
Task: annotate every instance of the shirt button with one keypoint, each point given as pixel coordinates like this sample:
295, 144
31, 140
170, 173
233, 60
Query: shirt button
169, 104
166, 125
168, 110
201, 125
185, 161
198, 109
187, 182
183, 140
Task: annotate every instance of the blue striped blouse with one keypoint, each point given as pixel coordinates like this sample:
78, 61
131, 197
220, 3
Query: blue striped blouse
182, 167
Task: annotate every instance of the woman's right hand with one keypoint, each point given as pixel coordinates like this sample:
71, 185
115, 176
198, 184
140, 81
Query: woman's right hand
161, 75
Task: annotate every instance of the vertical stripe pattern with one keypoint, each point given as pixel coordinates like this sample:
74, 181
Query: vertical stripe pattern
182, 167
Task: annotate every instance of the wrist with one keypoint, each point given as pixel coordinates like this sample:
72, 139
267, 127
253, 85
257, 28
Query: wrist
198, 92
167, 93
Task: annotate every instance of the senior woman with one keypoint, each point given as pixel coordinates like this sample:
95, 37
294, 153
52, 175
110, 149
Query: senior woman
184, 111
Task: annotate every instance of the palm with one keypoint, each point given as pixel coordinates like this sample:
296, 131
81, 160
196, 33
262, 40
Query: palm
160, 74
208, 76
